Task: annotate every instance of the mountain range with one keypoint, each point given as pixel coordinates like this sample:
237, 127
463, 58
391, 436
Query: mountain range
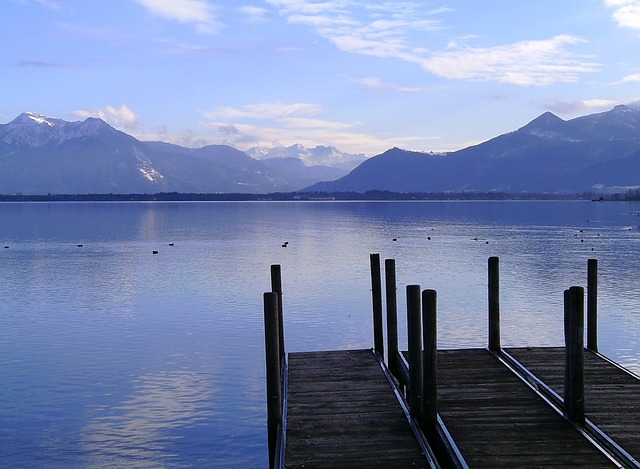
318, 156
42, 155
594, 153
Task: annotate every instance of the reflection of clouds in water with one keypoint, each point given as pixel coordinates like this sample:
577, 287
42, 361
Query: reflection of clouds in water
138, 434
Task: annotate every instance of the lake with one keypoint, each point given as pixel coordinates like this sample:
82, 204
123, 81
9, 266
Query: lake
114, 356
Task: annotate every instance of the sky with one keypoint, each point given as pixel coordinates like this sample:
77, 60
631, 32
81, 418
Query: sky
362, 76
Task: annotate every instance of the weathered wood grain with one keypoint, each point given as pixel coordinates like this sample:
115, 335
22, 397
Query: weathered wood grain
612, 397
342, 413
497, 421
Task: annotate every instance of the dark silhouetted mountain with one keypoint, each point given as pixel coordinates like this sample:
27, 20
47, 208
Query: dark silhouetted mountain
548, 155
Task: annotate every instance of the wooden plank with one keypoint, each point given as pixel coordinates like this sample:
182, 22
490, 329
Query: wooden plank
612, 396
497, 421
342, 413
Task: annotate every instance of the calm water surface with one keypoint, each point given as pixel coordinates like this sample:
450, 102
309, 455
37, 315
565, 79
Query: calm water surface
112, 356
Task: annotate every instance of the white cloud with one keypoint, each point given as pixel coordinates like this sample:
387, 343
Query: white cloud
121, 118
389, 31
378, 85
265, 111
626, 12
378, 30
263, 124
246, 135
631, 78
198, 12
525, 63
253, 14
284, 124
579, 107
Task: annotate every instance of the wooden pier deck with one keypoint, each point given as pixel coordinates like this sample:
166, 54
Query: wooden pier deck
495, 408
496, 420
346, 420
612, 394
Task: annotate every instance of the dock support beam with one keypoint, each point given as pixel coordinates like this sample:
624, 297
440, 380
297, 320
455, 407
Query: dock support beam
494, 304
392, 315
376, 293
592, 304
414, 333
276, 287
430, 363
274, 390
574, 354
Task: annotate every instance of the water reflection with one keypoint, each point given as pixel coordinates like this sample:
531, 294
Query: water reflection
143, 430
112, 356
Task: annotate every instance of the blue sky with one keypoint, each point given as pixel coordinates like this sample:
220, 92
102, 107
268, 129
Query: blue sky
362, 76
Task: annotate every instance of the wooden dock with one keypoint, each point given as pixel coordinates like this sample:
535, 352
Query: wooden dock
612, 394
493, 407
496, 420
346, 420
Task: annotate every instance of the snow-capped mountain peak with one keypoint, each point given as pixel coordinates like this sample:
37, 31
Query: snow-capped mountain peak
30, 117
318, 156
33, 130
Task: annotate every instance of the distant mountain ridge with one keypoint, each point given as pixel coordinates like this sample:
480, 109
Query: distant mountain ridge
40, 155
597, 152
318, 156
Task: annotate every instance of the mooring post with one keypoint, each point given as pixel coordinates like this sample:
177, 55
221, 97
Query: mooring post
494, 304
376, 293
276, 287
414, 333
430, 363
392, 315
592, 304
274, 394
574, 354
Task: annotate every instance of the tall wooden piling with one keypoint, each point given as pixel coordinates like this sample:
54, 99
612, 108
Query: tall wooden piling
414, 333
274, 390
592, 304
392, 315
430, 363
574, 354
276, 287
494, 303
376, 293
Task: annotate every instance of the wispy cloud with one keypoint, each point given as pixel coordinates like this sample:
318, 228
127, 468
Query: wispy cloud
284, 124
625, 12
265, 111
577, 107
121, 118
525, 63
39, 64
378, 30
253, 14
197, 12
389, 31
45, 3
631, 78
376, 84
